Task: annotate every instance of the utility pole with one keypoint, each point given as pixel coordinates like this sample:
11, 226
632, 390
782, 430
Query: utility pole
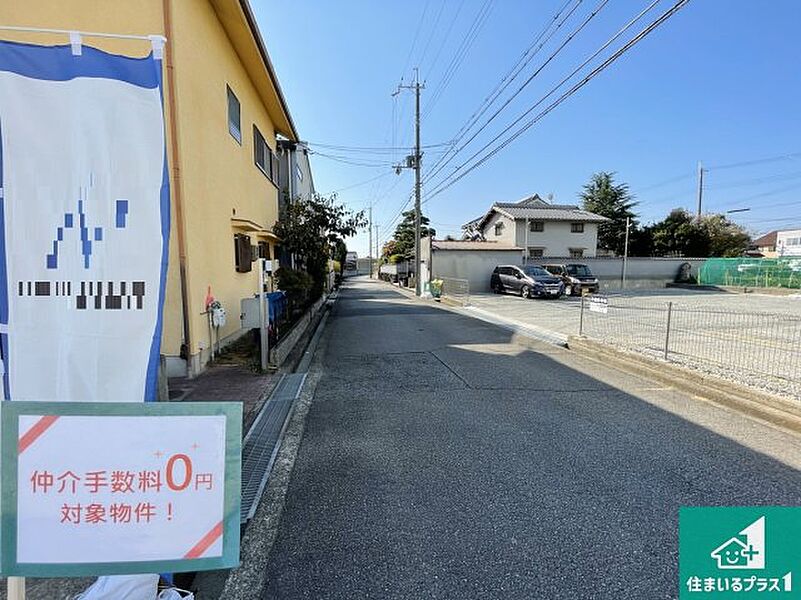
377, 246
415, 162
625, 255
700, 187
370, 247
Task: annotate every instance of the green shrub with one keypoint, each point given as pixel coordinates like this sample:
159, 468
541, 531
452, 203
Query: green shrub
296, 284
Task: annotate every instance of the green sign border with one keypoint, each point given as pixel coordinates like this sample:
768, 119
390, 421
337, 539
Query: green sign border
9, 436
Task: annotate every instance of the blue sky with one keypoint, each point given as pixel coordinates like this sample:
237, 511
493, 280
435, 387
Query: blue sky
717, 83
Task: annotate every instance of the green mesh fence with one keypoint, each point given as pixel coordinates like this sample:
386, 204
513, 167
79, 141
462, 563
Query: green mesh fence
752, 272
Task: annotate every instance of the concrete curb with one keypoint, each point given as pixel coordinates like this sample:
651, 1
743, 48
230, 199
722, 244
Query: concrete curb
247, 580
759, 405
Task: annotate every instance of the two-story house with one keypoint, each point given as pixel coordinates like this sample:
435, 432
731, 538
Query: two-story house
223, 108
540, 228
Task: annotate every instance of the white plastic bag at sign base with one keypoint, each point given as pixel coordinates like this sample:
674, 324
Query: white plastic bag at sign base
122, 587
176, 594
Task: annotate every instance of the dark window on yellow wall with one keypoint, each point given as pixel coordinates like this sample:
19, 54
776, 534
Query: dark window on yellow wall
234, 116
264, 250
261, 152
577, 228
274, 168
264, 157
243, 256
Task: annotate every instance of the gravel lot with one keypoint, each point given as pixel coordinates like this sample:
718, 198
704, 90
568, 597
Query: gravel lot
752, 339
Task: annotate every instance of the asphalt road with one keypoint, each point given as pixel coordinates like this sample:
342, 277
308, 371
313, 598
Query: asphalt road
442, 461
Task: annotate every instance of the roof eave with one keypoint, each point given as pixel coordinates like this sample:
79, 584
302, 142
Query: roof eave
288, 128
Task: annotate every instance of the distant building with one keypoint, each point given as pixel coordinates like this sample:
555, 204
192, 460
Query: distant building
764, 246
295, 181
788, 243
540, 228
777, 243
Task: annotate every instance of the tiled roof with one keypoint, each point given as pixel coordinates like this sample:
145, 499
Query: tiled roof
534, 207
551, 213
470, 245
769, 239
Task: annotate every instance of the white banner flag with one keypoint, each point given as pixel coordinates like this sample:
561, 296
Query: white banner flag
84, 224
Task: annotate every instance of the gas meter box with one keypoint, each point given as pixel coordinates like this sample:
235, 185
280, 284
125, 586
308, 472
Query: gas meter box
250, 312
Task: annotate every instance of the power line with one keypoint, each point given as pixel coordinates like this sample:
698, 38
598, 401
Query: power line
359, 184
444, 184
570, 37
445, 38
349, 161
511, 75
373, 148
755, 181
459, 56
431, 35
654, 186
759, 161
416, 35
781, 190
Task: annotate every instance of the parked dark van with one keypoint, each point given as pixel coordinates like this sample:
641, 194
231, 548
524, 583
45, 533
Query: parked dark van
528, 281
576, 277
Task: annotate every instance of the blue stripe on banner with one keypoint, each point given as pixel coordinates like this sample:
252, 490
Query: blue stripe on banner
3, 278
57, 63
151, 384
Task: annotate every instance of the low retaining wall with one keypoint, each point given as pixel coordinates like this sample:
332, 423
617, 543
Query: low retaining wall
280, 352
476, 266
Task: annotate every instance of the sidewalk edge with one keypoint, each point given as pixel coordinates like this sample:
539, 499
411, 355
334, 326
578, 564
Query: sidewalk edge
753, 403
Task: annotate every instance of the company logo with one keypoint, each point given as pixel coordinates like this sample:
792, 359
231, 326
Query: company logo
739, 552
746, 550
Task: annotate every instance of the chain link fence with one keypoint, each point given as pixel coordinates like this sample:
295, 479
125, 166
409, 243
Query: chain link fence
760, 350
456, 289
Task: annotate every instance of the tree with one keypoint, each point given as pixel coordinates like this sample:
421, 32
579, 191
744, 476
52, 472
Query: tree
726, 239
683, 234
614, 201
404, 234
340, 253
390, 248
679, 234
312, 229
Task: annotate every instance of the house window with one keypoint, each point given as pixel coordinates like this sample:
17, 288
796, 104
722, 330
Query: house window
274, 169
498, 228
264, 157
576, 252
243, 253
536, 226
299, 171
264, 250
261, 152
234, 126
577, 228
536, 252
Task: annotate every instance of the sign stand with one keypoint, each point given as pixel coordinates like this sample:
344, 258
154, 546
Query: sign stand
16, 588
263, 319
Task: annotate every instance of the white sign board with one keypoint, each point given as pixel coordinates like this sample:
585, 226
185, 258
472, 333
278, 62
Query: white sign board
599, 304
137, 488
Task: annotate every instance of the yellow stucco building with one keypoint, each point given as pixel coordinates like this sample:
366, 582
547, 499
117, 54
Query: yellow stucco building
223, 107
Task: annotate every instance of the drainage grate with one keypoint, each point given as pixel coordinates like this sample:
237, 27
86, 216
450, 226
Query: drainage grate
260, 446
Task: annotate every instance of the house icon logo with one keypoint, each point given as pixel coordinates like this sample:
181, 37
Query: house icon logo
746, 550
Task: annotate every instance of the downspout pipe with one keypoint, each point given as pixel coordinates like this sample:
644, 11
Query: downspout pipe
177, 188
